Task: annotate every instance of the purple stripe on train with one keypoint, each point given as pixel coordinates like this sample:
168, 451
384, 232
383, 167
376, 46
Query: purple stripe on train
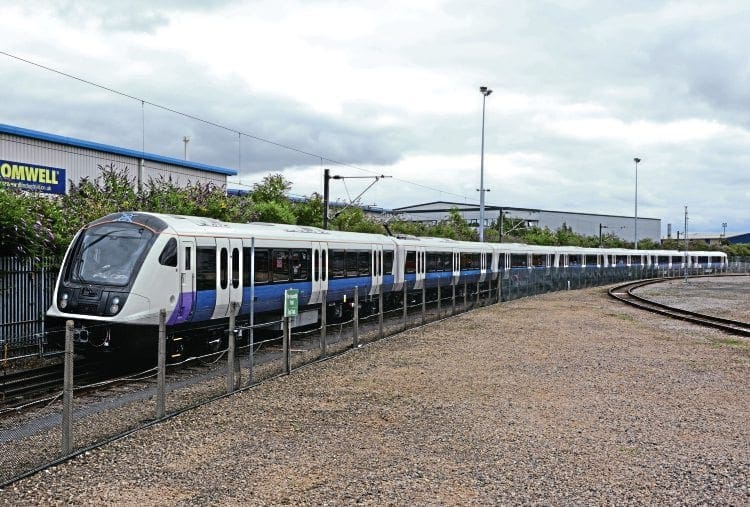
183, 309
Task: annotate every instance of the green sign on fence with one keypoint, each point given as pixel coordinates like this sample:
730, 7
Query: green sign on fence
291, 302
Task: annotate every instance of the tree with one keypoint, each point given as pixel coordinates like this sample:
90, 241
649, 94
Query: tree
310, 211
354, 220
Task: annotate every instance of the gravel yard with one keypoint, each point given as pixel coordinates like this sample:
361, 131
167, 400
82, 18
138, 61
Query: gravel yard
564, 398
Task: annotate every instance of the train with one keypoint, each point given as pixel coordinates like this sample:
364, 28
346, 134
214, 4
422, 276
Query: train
122, 269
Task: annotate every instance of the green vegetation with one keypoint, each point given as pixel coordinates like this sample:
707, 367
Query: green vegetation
34, 226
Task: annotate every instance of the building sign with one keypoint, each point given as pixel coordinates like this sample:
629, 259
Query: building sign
34, 178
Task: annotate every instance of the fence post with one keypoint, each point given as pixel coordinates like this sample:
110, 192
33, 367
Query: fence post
380, 311
424, 302
231, 350
499, 286
466, 294
286, 348
453, 298
440, 302
162, 365
323, 322
478, 291
355, 343
67, 415
406, 306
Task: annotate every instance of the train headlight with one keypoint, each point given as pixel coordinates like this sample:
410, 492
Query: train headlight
114, 307
63, 302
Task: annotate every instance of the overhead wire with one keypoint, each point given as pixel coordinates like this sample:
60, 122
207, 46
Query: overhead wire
214, 124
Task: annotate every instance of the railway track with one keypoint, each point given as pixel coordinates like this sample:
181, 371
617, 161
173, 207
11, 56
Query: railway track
38, 384
625, 294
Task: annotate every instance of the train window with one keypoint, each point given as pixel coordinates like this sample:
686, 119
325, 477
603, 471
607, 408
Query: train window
338, 263
518, 260
574, 260
538, 260
388, 262
301, 265
246, 258
469, 261
591, 260
663, 260
223, 266
235, 268
316, 264
205, 277
188, 254
323, 265
280, 265
168, 256
433, 260
364, 260
262, 273
411, 262
621, 260
351, 264
447, 258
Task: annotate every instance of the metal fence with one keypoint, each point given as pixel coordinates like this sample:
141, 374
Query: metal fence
74, 417
26, 287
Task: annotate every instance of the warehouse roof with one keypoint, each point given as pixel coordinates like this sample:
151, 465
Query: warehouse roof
106, 148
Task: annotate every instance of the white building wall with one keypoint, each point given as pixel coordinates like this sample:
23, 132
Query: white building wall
80, 162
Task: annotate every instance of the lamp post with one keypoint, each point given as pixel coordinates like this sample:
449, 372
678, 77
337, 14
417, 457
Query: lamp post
635, 241
724, 226
485, 93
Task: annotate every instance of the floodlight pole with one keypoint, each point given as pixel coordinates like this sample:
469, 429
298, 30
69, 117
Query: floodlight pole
485, 93
635, 240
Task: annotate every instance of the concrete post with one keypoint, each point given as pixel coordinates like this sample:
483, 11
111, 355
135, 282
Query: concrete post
67, 415
162, 366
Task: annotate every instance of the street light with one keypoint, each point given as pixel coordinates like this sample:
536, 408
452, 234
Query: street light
485, 93
635, 242
724, 226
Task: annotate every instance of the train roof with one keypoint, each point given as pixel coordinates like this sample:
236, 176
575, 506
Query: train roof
201, 226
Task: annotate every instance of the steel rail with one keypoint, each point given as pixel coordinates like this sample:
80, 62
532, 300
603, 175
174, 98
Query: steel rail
624, 293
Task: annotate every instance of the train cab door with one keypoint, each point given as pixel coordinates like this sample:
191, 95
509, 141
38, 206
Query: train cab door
223, 284
319, 272
376, 268
235, 272
187, 297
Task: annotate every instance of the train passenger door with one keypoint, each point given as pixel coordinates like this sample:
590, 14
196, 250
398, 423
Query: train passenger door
421, 267
236, 268
186, 301
223, 283
376, 268
319, 272
456, 266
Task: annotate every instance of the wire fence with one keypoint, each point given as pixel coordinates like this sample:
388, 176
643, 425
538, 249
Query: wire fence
26, 287
79, 413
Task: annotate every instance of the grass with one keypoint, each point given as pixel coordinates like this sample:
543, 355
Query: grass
733, 342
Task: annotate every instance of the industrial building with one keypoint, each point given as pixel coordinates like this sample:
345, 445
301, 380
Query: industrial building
586, 224
44, 162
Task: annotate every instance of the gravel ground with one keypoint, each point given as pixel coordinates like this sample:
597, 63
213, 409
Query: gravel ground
698, 295
558, 399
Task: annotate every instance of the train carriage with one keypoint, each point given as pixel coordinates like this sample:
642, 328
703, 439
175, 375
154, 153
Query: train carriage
122, 269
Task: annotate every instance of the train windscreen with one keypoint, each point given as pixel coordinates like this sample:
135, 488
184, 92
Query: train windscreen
109, 254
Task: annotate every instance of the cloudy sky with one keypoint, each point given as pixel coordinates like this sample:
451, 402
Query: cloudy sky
365, 87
